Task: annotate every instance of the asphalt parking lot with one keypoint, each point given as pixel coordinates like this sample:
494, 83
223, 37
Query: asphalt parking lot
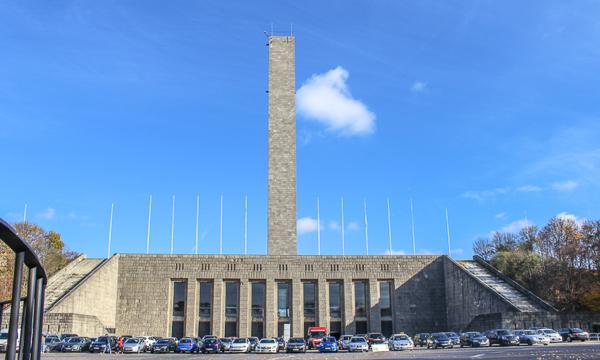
585, 350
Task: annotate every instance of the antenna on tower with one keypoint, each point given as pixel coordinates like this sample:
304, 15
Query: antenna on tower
221, 229
172, 224
291, 29
343, 234
366, 227
197, 220
112, 207
318, 228
389, 225
412, 220
149, 218
245, 224
448, 231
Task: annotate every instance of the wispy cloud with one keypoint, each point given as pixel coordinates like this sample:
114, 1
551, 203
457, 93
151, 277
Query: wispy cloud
334, 225
565, 185
394, 252
529, 188
353, 226
418, 86
567, 216
326, 99
484, 195
48, 214
516, 226
500, 216
306, 225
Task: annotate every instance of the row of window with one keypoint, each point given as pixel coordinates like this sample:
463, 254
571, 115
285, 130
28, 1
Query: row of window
284, 300
283, 267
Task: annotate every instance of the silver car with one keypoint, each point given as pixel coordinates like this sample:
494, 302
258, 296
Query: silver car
240, 345
531, 337
134, 345
344, 342
358, 343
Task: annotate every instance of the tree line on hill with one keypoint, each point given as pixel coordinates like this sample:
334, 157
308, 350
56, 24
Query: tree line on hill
559, 262
49, 248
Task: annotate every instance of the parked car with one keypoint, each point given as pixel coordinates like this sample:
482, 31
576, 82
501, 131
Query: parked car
104, 344
267, 345
164, 346
205, 337
295, 345
240, 345
421, 339
50, 343
280, 343
502, 337
314, 336
191, 345
328, 344
375, 338
210, 345
253, 342
400, 342
344, 342
570, 334
531, 337
453, 337
65, 336
225, 344
148, 341
134, 345
552, 334
439, 340
358, 343
595, 336
76, 344
474, 339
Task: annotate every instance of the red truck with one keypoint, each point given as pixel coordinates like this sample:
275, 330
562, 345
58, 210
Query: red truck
314, 335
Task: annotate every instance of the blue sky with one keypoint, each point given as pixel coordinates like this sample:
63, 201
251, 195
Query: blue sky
487, 108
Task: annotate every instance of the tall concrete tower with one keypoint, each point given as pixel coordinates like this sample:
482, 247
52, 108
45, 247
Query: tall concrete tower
282, 146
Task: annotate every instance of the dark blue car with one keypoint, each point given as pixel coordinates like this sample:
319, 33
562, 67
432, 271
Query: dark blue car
210, 346
187, 345
328, 344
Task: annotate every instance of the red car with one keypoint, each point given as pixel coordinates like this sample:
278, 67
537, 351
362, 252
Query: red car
315, 334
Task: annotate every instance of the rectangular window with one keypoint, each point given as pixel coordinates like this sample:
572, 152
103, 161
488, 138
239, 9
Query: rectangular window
335, 300
232, 301
308, 324
310, 300
206, 299
361, 327
360, 299
258, 301
335, 329
178, 314
283, 300
258, 329
387, 328
385, 298
203, 328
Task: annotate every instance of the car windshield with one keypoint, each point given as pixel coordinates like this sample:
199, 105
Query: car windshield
473, 334
375, 336
329, 339
549, 331
358, 340
49, 340
577, 330
4, 335
210, 341
423, 336
504, 332
131, 341
451, 334
317, 334
295, 341
402, 337
239, 341
439, 336
267, 341
162, 342
529, 332
102, 340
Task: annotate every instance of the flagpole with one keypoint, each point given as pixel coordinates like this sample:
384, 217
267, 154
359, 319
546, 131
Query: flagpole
389, 225
149, 219
172, 224
245, 224
448, 231
112, 207
221, 229
366, 228
197, 219
412, 220
343, 234
318, 228
25, 214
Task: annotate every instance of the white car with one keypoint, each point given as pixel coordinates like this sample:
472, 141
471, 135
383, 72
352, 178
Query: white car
240, 345
400, 342
358, 343
531, 337
148, 341
267, 345
550, 333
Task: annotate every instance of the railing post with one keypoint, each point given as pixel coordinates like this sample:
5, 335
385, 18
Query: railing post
25, 351
38, 319
13, 327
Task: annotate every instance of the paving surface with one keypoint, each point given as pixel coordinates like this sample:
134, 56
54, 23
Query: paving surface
586, 350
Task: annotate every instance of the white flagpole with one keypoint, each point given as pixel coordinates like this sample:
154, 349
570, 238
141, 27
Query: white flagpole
366, 228
412, 220
318, 228
173, 225
25, 214
197, 219
343, 234
245, 224
149, 218
389, 225
448, 231
221, 229
112, 207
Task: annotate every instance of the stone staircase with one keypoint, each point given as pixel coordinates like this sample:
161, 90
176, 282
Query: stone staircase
521, 301
68, 277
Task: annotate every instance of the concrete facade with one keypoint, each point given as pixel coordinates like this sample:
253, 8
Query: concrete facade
282, 147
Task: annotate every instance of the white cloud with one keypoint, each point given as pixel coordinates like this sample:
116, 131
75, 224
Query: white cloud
334, 225
306, 225
47, 214
500, 216
394, 252
326, 99
565, 185
418, 86
485, 194
516, 226
567, 216
529, 188
353, 226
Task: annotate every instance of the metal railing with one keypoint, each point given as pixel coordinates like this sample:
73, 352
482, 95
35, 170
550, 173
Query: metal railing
30, 342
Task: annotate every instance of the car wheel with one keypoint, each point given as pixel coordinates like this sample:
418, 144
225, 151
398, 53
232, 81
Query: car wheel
569, 339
